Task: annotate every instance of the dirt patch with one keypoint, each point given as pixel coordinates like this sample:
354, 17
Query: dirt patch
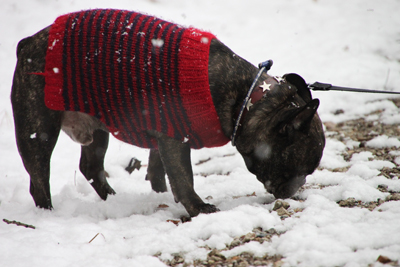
216, 257
360, 131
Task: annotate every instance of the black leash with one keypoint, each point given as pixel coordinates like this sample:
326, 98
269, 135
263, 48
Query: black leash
317, 86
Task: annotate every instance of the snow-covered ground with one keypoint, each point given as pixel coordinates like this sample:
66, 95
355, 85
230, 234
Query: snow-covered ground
350, 43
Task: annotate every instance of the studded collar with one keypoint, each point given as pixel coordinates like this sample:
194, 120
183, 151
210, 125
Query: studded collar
257, 93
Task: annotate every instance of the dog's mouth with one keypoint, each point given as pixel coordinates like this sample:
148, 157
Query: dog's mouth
285, 190
269, 187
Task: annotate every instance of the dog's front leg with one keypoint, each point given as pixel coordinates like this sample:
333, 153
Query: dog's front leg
175, 157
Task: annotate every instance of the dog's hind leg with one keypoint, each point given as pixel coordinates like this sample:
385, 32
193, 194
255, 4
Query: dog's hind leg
36, 127
156, 172
92, 163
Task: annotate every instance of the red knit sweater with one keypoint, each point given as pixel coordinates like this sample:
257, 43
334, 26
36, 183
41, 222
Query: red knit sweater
134, 72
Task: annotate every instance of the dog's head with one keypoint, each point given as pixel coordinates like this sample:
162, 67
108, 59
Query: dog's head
282, 138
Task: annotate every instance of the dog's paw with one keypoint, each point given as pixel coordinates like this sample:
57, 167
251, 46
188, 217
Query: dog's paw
110, 191
44, 204
103, 190
203, 208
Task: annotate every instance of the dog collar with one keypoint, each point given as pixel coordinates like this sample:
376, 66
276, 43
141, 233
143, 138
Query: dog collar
254, 95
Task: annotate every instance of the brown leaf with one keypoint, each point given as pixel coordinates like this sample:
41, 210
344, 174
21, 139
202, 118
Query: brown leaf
176, 222
383, 259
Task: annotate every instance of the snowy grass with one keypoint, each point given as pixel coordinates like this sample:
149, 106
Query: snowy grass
356, 43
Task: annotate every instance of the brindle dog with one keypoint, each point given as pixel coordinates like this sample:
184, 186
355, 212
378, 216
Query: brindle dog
281, 137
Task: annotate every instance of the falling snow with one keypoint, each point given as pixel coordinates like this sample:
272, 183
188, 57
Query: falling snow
339, 218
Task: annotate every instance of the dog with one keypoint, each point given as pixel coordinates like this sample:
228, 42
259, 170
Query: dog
158, 85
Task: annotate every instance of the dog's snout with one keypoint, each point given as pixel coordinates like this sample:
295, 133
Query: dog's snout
285, 189
268, 186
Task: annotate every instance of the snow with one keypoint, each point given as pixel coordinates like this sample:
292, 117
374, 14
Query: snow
354, 44
383, 141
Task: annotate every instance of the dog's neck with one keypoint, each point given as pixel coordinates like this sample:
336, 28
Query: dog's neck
230, 78
254, 94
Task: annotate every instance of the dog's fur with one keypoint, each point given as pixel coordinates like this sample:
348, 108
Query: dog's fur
281, 138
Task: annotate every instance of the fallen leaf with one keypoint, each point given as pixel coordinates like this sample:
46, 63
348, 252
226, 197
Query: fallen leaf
251, 195
383, 259
176, 222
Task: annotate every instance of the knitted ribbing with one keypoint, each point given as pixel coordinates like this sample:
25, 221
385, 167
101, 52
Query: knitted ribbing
135, 73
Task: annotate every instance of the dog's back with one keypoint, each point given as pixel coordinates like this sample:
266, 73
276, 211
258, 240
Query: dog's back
134, 73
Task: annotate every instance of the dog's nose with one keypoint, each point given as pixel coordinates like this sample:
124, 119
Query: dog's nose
269, 187
286, 190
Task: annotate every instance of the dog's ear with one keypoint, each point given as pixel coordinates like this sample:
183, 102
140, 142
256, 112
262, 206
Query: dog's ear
300, 119
301, 85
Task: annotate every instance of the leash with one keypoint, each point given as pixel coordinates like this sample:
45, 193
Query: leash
263, 66
317, 86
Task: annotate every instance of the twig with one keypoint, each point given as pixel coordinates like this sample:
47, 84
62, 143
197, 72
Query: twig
93, 238
207, 160
19, 224
202, 161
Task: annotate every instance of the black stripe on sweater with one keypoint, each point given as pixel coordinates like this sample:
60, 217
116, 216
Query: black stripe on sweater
66, 58
81, 64
186, 124
194, 138
173, 86
140, 64
148, 61
108, 115
157, 73
132, 80
97, 70
120, 88
90, 72
113, 81
75, 92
